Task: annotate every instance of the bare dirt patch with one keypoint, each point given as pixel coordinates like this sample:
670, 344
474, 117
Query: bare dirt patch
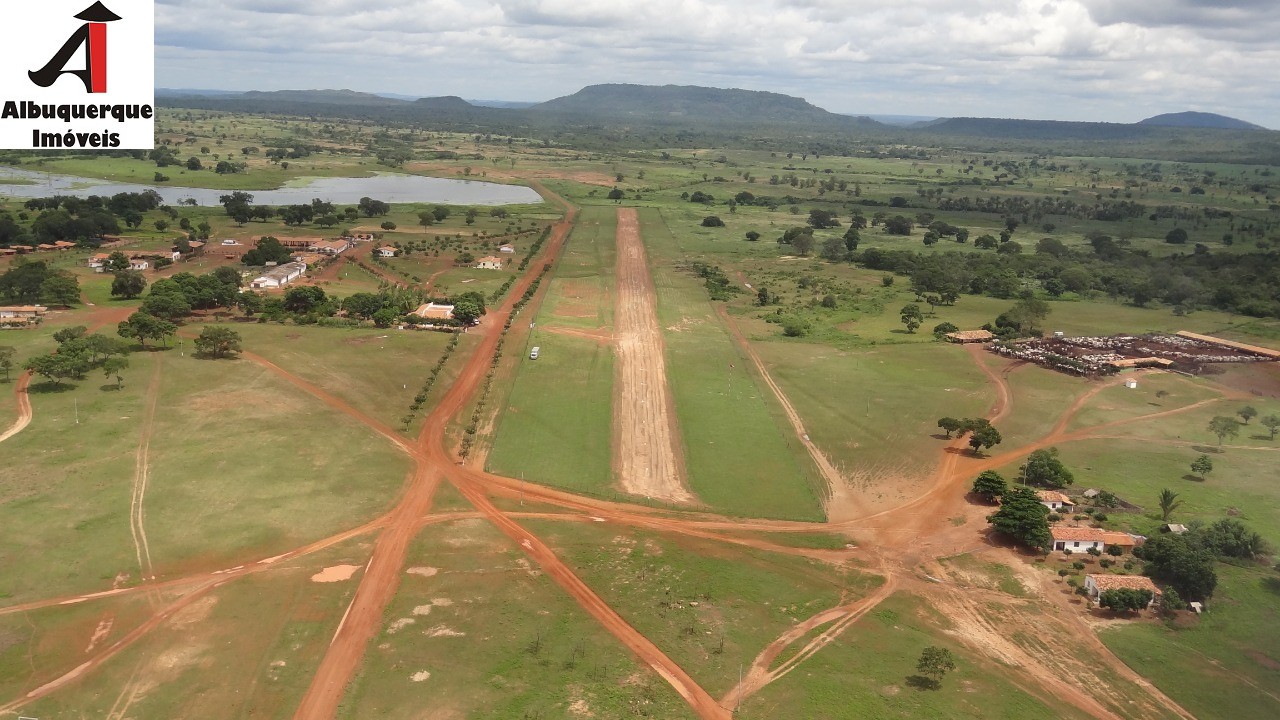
336, 573
423, 571
647, 457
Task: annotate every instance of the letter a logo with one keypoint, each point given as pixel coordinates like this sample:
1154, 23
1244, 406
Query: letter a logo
93, 35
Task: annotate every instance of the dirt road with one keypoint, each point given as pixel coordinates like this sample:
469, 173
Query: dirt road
141, 474
23, 402
646, 440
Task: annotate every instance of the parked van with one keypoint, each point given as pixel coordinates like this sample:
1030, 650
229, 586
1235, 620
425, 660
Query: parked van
533, 354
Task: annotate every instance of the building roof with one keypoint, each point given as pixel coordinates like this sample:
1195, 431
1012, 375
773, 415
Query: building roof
101, 256
490, 259
432, 310
387, 248
337, 245
1053, 496
63, 244
1091, 534
1140, 362
971, 335
24, 308
281, 272
1176, 528
1129, 582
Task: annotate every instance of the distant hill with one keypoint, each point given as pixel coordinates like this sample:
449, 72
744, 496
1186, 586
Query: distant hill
322, 97
451, 103
691, 103
1192, 119
1002, 128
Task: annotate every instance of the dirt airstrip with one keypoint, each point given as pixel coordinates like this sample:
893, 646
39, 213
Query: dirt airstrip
646, 440
900, 543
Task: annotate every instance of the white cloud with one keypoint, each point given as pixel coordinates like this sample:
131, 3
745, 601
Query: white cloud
1072, 59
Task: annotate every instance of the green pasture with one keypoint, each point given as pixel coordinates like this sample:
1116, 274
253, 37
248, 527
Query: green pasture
742, 456
478, 631
864, 673
1224, 663
708, 606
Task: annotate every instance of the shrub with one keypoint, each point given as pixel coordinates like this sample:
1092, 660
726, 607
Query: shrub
712, 221
1078, 565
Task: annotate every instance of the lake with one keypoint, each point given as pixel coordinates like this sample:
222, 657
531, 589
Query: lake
387, 187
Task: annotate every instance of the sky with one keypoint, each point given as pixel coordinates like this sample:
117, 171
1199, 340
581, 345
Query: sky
1103, 60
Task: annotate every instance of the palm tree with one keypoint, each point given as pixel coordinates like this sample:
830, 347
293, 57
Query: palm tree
1168, 503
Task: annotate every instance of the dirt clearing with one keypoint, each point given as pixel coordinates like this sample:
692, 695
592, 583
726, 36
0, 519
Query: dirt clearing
646, 456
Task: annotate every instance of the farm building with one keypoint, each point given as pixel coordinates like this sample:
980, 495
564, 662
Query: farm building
508, 249
432, 311
21, 315
970, 336
1175, 528
489, 262
279, 276
387, 251
1082, 539
99, 261
1055, 500
138, 264
1098, 584
309, 259
303, 243
23, 249
329, 247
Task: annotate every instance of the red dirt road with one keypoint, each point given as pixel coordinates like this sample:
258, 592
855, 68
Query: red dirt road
23, 402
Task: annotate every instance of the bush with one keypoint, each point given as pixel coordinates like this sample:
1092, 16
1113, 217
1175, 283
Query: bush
712, 221
1078, 565
1095, 552
1115, 550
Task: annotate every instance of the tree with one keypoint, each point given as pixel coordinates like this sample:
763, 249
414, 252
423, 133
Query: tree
833, 249
1170, 601
128, 284
898, 225
934, 664
1023, 518
1045, 469
116, 262
467, 310
1176, 236
950, 424
59, 366
1125, 599
990, 485
1271, 423
67, 334
385, 317
615, 194
1187, 567
249, 303
142, 327
1224, 427
216, 341
942, 328
115, 366
1247, 413
712, 221
752, 236
1168, 503
370, 207
986, 437
1027, 315
386, 225
1233, 538
911, 316
822, 219
170, 305
303, 299
6, 360
61, 288
803, 243
193, 163
1202, 466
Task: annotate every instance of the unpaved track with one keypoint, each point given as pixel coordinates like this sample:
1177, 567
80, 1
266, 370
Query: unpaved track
646, 440
141, 473
842, 503
24, 406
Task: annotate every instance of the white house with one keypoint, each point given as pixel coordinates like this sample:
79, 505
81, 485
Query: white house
1082, 539
99, 262
1095, 585
278, 276
387, 251
432, 311
330, 247
139, 264
489, 262
509, 249
1055, 501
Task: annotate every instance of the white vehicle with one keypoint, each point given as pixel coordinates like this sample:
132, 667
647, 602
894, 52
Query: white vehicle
533, 354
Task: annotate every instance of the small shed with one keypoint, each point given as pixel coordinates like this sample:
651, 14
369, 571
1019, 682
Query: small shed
1131, 384
1175, 528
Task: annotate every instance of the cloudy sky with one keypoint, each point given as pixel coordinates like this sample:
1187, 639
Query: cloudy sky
1112, 60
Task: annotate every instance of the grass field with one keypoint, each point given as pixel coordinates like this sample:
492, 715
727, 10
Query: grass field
1225, 663
742, 457
246, 649
874, 411
476, 631
362, 366
706, 606
863, 674
556, 425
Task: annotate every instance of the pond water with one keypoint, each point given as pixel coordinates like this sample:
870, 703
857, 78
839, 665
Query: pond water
387, 187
